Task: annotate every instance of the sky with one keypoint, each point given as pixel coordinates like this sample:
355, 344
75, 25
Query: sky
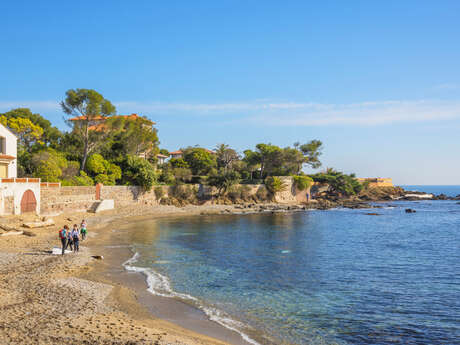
378, 82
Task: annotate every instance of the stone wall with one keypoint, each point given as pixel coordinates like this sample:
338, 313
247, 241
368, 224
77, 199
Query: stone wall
128, 195
291, 194
56, 199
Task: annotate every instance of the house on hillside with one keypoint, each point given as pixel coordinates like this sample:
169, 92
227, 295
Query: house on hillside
97, 124
8, 153
17, 195
161, 158
179, 153
176, 154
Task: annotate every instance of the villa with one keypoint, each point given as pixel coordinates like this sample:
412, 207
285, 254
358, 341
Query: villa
97, 124
17, 195
179, 153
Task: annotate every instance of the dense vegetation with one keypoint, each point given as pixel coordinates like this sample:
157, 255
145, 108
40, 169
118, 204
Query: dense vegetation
123, 150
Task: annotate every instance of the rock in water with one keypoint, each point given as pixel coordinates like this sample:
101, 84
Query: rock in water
409, 210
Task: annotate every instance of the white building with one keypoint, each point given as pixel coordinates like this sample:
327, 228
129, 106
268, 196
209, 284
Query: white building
8, 153
17, 195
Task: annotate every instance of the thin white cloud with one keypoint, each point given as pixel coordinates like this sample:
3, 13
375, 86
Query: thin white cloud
369, 114
35, 106
311, 114
267, 112
447, 86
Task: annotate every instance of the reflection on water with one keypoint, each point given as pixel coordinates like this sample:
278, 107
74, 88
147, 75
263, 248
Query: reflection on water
320, 277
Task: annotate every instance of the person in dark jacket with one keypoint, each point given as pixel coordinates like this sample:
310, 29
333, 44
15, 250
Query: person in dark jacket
63, 237
75, 238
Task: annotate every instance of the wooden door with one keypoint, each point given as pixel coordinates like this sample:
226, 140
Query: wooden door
28, 202
3, 170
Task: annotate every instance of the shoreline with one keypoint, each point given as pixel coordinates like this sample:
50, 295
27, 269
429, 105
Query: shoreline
108, 311
118, 252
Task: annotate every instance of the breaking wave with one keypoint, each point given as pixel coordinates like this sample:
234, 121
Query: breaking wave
159, 285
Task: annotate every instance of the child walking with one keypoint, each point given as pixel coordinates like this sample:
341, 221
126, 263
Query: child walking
83, 229
76, 238
69, 238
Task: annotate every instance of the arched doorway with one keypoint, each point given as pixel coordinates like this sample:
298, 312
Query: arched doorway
28, 202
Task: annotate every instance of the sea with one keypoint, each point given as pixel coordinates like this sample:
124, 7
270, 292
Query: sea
339, 276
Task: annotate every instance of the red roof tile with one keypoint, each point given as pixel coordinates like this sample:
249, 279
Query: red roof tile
7, 157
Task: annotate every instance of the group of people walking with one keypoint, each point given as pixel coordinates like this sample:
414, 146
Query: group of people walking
71, 238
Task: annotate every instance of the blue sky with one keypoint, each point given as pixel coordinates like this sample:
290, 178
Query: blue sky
377, 82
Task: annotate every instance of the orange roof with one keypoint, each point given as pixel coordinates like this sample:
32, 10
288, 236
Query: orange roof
178, 152
7, 157
102, 118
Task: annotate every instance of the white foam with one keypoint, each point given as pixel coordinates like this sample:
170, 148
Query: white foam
159, 285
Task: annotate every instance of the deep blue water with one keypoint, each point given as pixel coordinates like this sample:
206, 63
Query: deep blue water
317, 277
447, 190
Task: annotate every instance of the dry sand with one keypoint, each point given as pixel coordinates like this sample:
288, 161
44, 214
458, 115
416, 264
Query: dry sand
70, 299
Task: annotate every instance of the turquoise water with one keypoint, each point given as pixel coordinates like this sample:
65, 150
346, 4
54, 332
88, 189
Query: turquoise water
316, 277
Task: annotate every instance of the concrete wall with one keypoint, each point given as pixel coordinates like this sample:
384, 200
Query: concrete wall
10, 150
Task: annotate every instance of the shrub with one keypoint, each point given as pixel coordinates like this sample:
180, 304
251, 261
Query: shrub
159, 192
274, 184
166, 176
183, 192
339, 182
302, 182
234, 192
224, 179
182, 174
96, 164
83, 180
245, 192
48, 165
262, 194
71, 170
138, 171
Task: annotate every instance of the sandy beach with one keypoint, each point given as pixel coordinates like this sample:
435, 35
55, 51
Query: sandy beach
77, 299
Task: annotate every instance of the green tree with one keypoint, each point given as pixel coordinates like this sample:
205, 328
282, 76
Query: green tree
226, 156
312, 150
267, 156
27, 132
199, 160
50, 137
130, 136
138, 172
164, 152
48, 165
339, 182
102, 170
87, 106
178, 163
223, 179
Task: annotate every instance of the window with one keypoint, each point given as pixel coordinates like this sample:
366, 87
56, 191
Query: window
2, 145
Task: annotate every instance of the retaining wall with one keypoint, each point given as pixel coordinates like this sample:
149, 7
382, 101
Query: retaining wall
56, 199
